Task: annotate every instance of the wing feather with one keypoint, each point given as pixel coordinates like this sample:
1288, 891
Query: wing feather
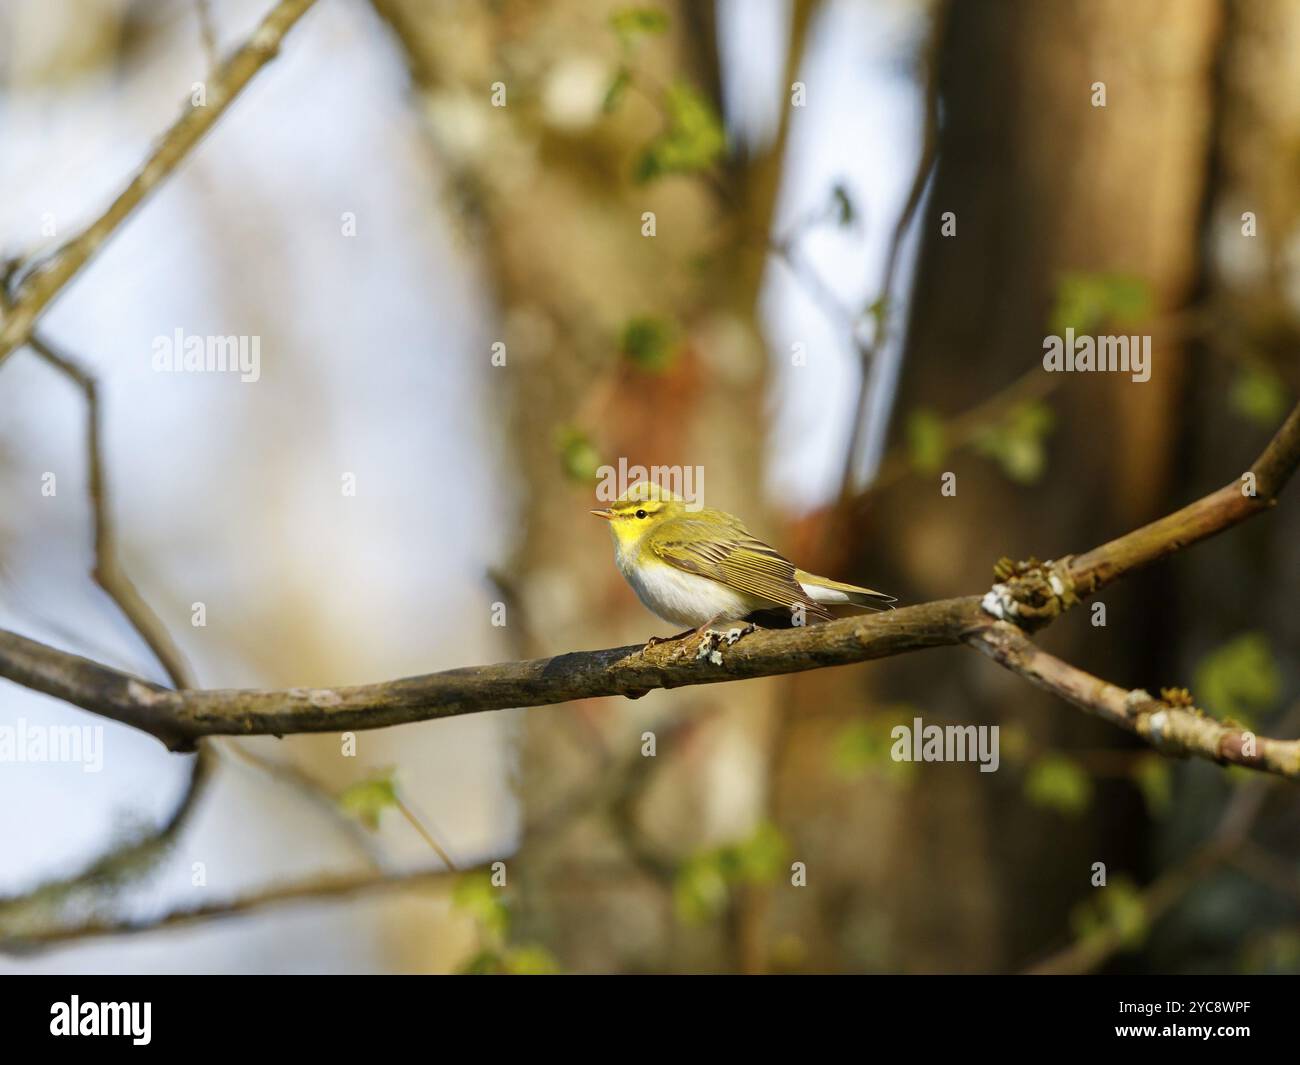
728, 553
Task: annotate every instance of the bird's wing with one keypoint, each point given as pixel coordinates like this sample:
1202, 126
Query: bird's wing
741, 561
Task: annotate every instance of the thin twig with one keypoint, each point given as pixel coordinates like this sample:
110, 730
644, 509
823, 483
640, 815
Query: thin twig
315, 889
109, 574
107, 570
1172, 727
208, 32
884, 309
43, 283
291, 776
419, 824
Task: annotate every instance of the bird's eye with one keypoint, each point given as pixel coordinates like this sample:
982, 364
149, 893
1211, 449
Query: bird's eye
640, 513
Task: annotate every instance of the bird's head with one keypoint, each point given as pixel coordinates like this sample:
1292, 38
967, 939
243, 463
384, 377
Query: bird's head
644, 508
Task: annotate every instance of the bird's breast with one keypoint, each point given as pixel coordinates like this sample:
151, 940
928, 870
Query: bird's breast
677, 596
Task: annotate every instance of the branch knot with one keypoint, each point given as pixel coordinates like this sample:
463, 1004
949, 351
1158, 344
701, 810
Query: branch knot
1030, 593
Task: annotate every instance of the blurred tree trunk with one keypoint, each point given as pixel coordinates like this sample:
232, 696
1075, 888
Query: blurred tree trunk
1246, 377
1251, 283
958, 871
548, 179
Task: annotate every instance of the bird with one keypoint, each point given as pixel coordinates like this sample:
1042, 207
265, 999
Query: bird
698, 567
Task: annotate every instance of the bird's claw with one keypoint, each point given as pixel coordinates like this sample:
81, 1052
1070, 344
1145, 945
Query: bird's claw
655, 641
712, 642
744, 630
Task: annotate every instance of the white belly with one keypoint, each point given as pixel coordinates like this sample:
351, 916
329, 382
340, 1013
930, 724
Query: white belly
683, 598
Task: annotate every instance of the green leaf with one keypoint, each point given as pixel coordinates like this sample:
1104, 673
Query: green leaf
926, 440
1274, 952
864, 746
1018, 443
857, 748
1058, 783
617, 89
483, 963
693, 139
1117, 909
699, 889
648, 342
702, 886
1154, 776
761, 857
368, 799
632, 23
1259, 396
1085, 302
529, 960
1239, 679
578, 454
476, 894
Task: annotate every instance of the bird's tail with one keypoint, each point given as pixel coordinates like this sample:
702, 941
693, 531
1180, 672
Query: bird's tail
825, 590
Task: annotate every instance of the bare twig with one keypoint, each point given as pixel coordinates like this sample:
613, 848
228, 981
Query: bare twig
1172, 727
107, 571
109, 574
208, 32
126, 860
39, 908
291, 776
884, 309
407, 810
965, 428
42, 284
1220, 510
315, 889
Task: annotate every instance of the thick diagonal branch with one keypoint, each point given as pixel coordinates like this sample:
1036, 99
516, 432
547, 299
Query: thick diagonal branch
181, 718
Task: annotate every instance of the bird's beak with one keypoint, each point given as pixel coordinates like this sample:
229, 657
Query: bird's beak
607, 514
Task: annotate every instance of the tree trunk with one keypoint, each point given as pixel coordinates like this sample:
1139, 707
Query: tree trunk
958, 871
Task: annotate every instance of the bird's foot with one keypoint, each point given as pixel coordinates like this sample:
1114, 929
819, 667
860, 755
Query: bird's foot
655, 641
735, 634
712, 642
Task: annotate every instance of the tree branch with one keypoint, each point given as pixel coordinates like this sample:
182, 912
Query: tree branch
129, 859
107, 571
40, 286
867, 353
315, 889
110, 575
39, 907
1171, 725
179, 718
1031, 594
1207, 516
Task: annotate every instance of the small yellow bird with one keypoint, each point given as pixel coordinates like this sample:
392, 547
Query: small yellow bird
699, 567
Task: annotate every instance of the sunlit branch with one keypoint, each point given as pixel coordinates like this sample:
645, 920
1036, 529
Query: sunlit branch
1029, 595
